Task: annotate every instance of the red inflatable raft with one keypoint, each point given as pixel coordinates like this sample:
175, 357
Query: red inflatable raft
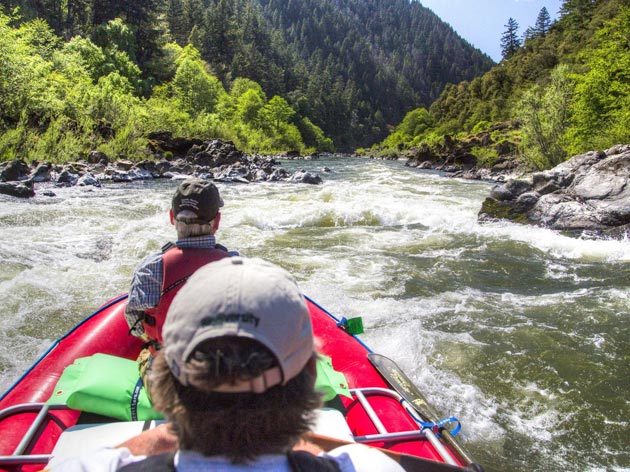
385, 411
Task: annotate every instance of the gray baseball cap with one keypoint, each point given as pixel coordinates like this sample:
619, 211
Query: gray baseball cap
242, 297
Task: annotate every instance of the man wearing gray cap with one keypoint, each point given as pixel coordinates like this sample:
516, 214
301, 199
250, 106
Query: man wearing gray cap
195, 213
236, 381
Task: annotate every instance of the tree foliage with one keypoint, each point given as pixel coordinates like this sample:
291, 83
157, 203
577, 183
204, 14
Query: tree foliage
545, 115
569, 87
59, 100
510, 42
352, 66
543, 22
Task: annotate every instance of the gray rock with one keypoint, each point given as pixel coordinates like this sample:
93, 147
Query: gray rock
549, 187
261, 176
501, 193
13, 170
95, 157
306, 177
88, 179
517, 187
527, 200
425, 165
41, 173
17, 189
124, 164
121, 177
589, 192
278, 174
67, 178
140, 174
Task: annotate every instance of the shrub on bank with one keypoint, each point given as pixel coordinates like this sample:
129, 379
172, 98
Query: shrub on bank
60, 100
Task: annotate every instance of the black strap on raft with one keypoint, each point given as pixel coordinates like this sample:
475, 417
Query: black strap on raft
167, 246
299, 461
140, 316
135, 396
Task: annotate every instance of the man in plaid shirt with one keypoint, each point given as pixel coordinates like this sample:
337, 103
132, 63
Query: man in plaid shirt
196, 215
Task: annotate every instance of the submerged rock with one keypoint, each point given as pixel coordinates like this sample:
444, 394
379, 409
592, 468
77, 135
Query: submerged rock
589, 192
306, 177
88, 179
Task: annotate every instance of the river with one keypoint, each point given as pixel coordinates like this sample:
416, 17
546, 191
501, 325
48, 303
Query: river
520, 332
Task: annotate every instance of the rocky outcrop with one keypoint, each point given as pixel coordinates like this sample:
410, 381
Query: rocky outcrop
589, 192
456, 157
176, 158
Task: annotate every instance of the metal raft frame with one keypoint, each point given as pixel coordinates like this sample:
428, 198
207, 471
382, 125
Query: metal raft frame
19, 457
384, 435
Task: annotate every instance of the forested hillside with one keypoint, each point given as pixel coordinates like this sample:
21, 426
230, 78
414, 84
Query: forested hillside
562, 90
349, 67
368, 61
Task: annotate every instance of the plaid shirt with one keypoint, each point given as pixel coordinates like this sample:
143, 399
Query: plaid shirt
146, 284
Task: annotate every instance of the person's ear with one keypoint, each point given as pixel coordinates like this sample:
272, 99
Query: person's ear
311, 367
171, 216
216, 221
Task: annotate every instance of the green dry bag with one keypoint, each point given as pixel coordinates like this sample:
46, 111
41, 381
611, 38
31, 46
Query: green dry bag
330, 382
105, 385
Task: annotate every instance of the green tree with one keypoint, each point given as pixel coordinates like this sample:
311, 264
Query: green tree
545, 115
193, 85
276, 112
249, 104
543, 22
601, 107
510, 42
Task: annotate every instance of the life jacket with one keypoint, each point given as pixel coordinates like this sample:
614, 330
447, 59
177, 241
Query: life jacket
178, 264
299, 461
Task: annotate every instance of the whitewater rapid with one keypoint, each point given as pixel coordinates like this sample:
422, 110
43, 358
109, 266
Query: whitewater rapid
520, 332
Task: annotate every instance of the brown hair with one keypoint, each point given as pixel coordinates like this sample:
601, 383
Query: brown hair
239, 426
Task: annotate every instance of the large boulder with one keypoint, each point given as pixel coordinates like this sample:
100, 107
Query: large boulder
88, 179
163, 141
96, 157
41, 173
67, 178
13, 170
306, 177
589, 192
218, 153
17, 189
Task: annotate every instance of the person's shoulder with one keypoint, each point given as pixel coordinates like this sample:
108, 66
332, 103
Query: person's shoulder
361, 458
150, 259
101, 460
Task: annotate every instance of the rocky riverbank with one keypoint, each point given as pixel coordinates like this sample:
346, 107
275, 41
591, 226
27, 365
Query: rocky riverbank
486, 155
587, 193
170, 157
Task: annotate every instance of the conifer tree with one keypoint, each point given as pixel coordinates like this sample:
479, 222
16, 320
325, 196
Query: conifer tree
510, 42
543, 22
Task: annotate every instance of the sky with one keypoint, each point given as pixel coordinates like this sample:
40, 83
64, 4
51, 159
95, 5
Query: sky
482, 22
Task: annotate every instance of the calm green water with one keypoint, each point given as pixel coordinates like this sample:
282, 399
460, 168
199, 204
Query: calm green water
520, 332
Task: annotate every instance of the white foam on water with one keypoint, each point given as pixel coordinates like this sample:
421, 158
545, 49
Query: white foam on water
352, 244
